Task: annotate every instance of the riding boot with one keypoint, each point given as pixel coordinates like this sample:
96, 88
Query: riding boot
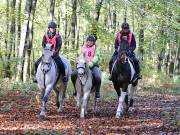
110, 68
36, 66
138, 75
65, 78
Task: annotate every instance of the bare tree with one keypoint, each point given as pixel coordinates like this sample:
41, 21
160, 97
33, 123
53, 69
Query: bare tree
11, 40
26, 41
52, 6
73, 23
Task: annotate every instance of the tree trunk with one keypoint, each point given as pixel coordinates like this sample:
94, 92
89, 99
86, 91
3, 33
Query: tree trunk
18, 36
29, 39
11, 41
52, 5
26, 41
160, 59
73, 23
98, 8
141, 31
66, 28
114, 19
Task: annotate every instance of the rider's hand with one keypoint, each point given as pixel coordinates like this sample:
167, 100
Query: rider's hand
90, 64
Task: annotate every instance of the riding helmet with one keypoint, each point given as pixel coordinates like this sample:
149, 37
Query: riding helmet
125, 25
52, 24
91, 38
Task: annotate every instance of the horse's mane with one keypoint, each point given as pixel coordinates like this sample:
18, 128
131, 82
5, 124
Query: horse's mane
124, 45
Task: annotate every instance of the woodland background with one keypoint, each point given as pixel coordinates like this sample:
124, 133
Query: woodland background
155, 23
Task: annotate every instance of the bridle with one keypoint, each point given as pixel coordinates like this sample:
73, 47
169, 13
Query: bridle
81, 75
123, 56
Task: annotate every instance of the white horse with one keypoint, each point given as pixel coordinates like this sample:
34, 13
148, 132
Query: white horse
84, 86
47, 75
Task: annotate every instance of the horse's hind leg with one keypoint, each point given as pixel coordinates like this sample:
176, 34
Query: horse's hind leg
95, 104
126, 102
62, 94
57, 98
132, 93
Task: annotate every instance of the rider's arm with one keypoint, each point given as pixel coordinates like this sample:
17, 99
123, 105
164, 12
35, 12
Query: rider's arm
116, 43
96, 57
133, 43
58, 45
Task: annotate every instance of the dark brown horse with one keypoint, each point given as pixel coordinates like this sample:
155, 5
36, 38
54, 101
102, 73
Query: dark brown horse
122, 74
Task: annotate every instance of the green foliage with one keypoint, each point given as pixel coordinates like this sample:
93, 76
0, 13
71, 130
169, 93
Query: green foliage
24, 87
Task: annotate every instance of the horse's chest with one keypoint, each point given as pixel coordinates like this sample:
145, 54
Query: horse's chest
122, 73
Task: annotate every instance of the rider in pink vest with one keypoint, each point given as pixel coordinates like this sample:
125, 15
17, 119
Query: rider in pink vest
54, 38
92, 55
126, 34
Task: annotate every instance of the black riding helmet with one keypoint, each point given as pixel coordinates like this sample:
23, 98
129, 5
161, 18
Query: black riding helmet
91, 38
52, 25
125, 25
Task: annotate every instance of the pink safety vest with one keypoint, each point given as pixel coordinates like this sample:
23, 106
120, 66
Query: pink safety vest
89, 52
52, 41
125, 38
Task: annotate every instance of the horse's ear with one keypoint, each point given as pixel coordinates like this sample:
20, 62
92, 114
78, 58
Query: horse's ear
77, 55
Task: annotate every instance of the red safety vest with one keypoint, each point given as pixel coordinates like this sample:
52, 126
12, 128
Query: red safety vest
89, 52
125, 38
52, 41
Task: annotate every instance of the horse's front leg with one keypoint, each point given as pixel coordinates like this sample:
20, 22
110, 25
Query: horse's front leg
84, 102
44, 102
120, 109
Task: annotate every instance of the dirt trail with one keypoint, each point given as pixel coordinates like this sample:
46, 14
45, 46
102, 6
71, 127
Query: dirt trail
155, 114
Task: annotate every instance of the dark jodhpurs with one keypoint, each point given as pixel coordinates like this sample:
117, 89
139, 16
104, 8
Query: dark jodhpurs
96, 75
58, 61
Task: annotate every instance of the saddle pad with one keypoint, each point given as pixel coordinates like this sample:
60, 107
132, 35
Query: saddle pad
132, 69
66, 65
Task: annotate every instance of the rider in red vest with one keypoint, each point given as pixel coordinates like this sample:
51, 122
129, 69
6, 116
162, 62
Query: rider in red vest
126, 34
53, 37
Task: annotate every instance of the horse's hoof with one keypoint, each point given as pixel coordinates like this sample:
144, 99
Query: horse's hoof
42, 117
82, 117
119, 114
60, 110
